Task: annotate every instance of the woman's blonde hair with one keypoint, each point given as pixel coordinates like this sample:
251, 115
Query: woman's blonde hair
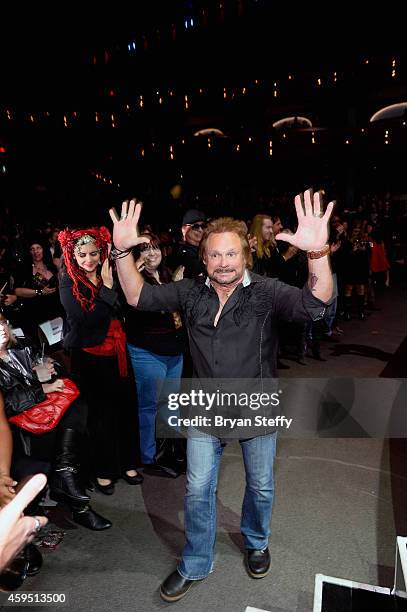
223, 225
263, 248
12, 339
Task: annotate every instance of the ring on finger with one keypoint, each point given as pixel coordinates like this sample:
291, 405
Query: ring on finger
37, 527
123, 217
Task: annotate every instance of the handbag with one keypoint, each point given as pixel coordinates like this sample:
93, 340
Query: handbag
45, 416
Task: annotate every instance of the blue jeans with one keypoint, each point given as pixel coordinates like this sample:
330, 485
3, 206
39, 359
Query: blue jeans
203, 458
153, 372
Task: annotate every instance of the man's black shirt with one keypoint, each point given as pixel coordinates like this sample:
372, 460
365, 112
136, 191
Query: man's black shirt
244, 342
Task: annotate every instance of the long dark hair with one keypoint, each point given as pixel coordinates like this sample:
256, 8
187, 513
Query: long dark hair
163, 272
46, 253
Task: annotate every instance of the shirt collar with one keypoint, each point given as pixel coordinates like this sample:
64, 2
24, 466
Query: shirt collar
246, 279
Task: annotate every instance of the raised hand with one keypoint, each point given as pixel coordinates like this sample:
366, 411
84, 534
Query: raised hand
312, 231
140, 264
106, 271
125, 228
252, 240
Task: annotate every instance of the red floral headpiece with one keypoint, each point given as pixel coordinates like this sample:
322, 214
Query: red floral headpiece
69, 240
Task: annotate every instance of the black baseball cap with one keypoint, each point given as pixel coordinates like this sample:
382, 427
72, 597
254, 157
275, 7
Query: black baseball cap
192, 216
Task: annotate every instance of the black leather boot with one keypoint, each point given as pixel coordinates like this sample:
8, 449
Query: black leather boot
175, 587
34, 559
258, 562
361, 307
64, 483
90, 519
347, 307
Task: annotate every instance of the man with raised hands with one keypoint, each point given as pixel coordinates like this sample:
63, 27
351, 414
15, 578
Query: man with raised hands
231, 316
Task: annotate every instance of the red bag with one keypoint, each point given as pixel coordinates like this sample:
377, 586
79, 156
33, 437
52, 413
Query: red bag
43, 417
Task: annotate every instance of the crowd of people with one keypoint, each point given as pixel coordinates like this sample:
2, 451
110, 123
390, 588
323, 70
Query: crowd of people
112, 355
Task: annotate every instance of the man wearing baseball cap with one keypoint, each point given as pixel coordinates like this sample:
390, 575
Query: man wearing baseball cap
187, 251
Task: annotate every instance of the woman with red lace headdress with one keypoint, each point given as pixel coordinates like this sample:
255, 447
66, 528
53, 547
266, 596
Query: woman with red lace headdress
94, 335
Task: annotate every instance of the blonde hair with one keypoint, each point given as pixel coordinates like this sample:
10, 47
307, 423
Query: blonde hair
223, 225
263, 247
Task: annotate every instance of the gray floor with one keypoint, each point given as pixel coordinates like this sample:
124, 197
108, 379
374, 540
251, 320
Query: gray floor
339, 505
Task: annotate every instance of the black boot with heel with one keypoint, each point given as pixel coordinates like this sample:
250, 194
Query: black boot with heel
65, 484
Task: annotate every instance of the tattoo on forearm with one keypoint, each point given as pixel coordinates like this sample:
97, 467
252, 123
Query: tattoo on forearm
313, 281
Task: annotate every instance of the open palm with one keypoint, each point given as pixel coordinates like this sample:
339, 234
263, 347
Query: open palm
125, 228
312, 230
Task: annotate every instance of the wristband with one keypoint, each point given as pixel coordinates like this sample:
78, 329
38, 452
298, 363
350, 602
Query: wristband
38, 292
118, 254
318, 254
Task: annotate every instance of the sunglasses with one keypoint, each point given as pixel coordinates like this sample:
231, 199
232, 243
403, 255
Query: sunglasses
197, 226
148, 246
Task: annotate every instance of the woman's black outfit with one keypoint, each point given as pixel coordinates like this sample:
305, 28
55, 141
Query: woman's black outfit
40, 308
356, 259
58, 447
57, 452
112, 420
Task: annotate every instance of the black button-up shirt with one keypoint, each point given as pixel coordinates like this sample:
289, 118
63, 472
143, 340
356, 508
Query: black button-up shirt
244, 342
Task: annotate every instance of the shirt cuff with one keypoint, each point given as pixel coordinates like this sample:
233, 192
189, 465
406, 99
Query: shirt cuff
316, 308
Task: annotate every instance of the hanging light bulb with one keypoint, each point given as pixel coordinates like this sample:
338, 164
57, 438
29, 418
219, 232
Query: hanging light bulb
270, 148
65, 121
186, 102
97, 119
141, 101
171, 152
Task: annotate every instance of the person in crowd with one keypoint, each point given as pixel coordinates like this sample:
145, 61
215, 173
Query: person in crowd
277, 225
17, 530
356, 270
231, 316
261, 228
336, 238
56, 452
267, 258
186, 253
54, 246
155, 343
8, 297
32, 555
294, 271
379, 263
36, 284
94, 335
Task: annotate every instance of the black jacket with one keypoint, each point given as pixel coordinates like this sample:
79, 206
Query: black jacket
20, 386
85, 328
186, 255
